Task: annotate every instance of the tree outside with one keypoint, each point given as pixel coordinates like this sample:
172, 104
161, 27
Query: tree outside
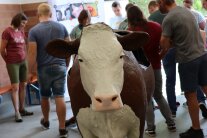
144, 3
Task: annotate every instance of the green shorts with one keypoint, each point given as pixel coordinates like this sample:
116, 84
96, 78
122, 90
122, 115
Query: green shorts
17, 72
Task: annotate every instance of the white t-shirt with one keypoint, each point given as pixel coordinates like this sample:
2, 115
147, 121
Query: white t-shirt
115, 21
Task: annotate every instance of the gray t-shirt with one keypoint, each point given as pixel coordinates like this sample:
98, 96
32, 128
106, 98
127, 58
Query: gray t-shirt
181, 26
42, 33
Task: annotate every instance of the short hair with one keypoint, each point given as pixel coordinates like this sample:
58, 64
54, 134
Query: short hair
152, 3
16, 20
83, 15
44, 9
128, 6
115, 4
167, 2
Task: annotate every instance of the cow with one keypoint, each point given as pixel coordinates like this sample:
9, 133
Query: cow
105, 75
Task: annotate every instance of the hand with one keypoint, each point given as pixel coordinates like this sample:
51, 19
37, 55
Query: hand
31, 77
4, 54
163, 53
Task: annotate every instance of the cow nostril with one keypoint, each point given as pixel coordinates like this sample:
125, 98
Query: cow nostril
99, 100
114, 98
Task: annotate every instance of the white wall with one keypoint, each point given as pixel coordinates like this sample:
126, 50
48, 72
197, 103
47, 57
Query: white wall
20, 1
31, 1
9, 1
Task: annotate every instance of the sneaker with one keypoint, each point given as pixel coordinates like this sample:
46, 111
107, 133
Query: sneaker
203, 108
173, 114
150, 133
171, 127
70, 122
63, 133
18, 117
192, 133
177, 104
25, 113
45, 124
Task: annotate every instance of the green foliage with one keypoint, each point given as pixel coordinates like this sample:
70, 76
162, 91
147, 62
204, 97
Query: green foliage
143, 4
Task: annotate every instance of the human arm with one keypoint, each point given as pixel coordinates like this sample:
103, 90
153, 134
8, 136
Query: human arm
31, 58
3, 48
201, 21
165, 44
202, 25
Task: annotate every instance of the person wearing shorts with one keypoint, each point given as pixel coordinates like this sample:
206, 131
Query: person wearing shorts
183, 33
51, 71
13, 51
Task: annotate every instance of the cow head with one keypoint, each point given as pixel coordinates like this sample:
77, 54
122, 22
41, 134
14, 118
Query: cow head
100, 54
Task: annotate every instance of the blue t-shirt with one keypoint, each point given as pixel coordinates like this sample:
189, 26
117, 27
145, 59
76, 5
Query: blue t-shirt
42, 33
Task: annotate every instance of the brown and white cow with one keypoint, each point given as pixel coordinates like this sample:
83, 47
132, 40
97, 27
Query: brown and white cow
104, 76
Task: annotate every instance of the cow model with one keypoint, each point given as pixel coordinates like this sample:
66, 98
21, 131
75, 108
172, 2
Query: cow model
107, 79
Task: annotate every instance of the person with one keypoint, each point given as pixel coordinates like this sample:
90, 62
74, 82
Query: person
204, 4
169, 66
201, 23
51, 71
190, 55
118, 18
124, 24
199, 17
152, 6
157, 16
13, 51
84, 19
137, 22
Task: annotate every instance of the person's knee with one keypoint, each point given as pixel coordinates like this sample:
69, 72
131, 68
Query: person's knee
15, 88
191, 96
22, 84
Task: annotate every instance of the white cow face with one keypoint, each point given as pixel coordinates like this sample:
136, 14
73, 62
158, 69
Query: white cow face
101, 67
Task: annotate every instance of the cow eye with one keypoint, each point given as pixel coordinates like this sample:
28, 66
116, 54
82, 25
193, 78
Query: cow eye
80, 60
121, 56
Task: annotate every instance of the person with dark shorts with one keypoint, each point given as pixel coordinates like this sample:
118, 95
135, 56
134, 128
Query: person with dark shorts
183, 33
13, 51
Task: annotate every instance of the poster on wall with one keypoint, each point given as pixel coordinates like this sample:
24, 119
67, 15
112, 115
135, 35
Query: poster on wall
67, 11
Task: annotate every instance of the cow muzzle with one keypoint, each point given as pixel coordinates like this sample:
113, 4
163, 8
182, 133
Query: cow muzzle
105, 103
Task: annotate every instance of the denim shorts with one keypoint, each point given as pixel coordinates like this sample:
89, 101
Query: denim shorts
52, 80
193, 73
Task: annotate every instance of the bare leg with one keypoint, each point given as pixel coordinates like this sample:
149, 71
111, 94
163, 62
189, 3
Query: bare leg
14, 96
22, 93
61, 111
193, 109
45, 105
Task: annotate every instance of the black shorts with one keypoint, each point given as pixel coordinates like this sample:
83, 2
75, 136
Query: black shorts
193, 73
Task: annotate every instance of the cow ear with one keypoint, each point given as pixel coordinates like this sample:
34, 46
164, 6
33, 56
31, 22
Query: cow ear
132, 40
62, 49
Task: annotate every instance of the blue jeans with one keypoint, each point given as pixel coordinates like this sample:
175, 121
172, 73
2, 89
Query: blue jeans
52, 80
169, 65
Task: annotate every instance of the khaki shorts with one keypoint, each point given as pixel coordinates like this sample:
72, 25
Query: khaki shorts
17, 72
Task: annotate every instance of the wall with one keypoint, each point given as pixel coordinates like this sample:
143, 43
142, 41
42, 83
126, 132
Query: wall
6, 13
8, 9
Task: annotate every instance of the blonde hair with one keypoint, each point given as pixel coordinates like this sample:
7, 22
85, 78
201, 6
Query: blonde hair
44, 9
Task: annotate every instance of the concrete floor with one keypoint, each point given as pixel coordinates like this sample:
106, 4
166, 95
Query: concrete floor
30, 128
